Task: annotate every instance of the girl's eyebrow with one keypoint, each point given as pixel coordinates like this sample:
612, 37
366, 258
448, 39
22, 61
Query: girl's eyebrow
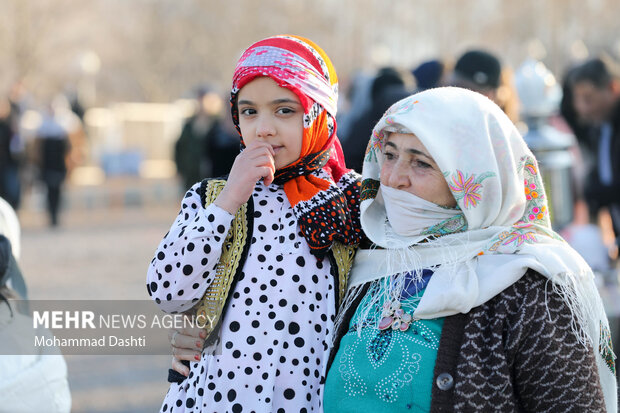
412, 151
273, 102
285, 100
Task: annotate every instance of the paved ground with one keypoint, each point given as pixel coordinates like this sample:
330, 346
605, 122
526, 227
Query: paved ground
101, 251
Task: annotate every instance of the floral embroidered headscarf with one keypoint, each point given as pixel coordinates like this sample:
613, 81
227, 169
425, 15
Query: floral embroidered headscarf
489, 169
324, 194
496, 182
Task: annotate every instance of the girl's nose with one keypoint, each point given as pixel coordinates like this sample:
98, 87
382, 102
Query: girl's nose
265, 128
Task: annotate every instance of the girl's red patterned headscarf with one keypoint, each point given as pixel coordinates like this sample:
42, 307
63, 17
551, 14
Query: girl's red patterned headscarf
324, 194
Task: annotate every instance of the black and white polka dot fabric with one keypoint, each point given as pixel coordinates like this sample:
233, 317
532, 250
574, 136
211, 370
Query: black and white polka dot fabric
280, 315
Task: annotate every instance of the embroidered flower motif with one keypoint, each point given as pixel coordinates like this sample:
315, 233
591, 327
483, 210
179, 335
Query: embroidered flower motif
606, 348
531, 168
404, 107
520, 235
530, 190
374, 146
468, 188
520, 238
537, 213
536, 210
377, 139
451, 225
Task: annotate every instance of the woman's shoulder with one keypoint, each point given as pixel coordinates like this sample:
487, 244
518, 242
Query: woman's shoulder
533, 296
528, 309
531, 282
533, 292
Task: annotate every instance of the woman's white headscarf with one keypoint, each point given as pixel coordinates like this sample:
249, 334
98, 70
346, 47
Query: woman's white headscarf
497, 185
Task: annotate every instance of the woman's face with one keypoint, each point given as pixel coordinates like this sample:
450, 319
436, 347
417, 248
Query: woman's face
272, 114
408, 166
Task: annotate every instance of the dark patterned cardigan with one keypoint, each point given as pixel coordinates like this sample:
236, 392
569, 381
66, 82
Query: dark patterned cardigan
515, 353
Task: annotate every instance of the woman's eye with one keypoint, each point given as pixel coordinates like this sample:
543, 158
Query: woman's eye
423, 164
388, 155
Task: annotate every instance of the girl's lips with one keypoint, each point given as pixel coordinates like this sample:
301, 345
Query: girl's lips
276, 148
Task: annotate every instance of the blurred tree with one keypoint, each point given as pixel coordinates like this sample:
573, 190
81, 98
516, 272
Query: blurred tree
157, 50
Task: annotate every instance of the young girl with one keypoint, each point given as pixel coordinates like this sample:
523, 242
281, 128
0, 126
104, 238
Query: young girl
268, 261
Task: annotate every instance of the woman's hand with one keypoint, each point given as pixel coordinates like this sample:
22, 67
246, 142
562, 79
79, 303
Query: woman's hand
254, 163
186, 345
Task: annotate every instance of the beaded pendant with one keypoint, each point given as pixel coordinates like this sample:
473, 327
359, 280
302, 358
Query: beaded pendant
395, 317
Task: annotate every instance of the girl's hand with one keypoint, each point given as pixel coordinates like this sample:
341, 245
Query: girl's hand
254, 163
186, 345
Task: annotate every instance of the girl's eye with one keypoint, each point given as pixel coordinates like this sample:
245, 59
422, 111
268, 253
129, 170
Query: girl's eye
285, 111
247, 111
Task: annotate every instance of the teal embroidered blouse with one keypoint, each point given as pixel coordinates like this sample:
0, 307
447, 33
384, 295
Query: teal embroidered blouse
388, 370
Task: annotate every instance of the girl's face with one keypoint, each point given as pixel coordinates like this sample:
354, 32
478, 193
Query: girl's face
408, 166
272, 114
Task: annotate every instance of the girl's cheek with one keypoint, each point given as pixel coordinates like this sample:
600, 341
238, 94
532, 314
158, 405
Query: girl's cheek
246, 133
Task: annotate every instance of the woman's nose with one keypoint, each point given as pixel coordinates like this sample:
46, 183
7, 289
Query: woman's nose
399, 177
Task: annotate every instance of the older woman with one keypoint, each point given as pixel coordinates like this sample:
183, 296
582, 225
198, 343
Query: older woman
472, 303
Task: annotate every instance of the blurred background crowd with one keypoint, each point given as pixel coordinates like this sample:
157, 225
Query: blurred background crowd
110, 109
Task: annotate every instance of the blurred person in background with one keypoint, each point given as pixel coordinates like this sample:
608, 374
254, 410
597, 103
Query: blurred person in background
596, 99
10, 155
75, 104
429, 74
52, 147
354, 102
71, 122
32, 378
585, 217
388, 86
223, 145
477, 70
562, 165
192, 150
482, 72
568, 112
